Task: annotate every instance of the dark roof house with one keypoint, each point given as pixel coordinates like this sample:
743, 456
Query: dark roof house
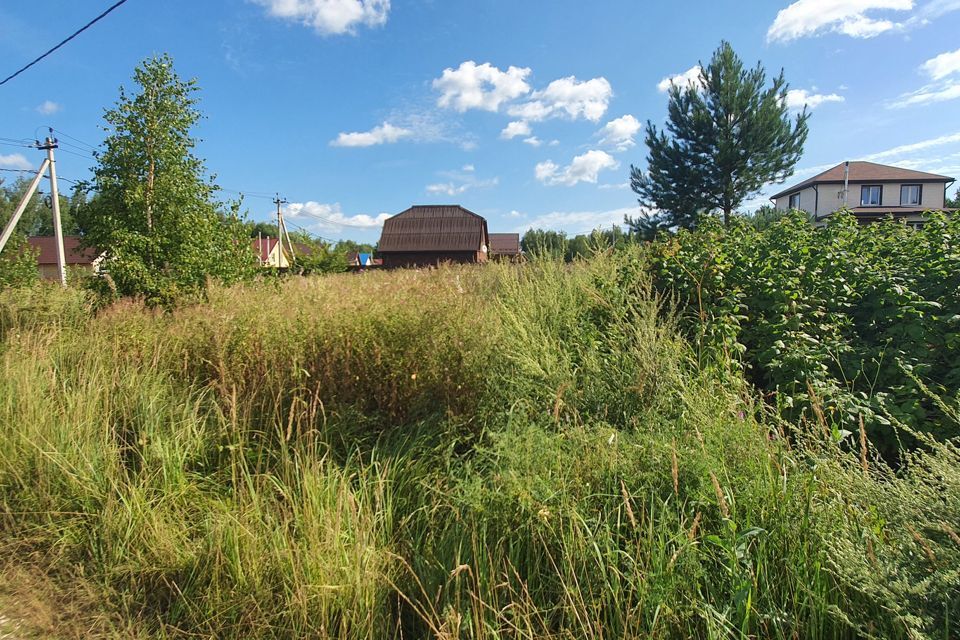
505, 245
431, 234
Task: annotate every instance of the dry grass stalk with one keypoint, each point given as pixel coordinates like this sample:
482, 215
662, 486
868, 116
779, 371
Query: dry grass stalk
923, 544
950, 532
692, 534
724, 509
626, 502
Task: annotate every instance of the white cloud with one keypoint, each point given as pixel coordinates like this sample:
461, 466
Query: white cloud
813, 17
929, 94
619, 133
384, 134
469, 168
15, 161
517, 214
460, 182
448, 188
944, 70
943, 65
685, 80
533, 141
906, 149
567, 97
514, 129
48, 108
574, 222
473, 86
798, 98
330, 17
330, 216
583, 168
615, 186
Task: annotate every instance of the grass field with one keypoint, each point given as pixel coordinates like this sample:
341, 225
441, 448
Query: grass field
495, 452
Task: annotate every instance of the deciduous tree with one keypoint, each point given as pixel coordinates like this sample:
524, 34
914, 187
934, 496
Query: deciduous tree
155, 213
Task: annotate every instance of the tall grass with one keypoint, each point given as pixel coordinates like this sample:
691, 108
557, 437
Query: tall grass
457, 453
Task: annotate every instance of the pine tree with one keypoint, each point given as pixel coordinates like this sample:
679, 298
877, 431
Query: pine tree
727, 135
155, 211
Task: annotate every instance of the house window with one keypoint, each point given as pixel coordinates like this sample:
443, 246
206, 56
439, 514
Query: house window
909, 195
794, 202
870, 195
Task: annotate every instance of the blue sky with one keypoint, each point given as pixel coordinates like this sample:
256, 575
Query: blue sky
525, 112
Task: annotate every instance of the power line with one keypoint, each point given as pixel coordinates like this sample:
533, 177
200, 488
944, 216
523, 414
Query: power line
62, 42
75, 153
75, 139
59, 177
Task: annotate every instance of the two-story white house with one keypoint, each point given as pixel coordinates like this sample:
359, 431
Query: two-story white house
869, 190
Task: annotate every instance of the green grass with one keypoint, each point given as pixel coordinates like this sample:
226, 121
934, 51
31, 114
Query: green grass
457, 453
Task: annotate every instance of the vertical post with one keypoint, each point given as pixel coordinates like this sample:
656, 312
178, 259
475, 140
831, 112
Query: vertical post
282, 230
50, 145
15, 218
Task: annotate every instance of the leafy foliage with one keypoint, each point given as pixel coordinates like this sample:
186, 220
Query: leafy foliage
729, 135
154, 213
856, 318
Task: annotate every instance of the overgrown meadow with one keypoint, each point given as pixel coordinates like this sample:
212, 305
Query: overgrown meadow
608, 449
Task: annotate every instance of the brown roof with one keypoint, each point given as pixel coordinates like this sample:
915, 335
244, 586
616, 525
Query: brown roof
71, 250
505, 244
433, 228
862, 171
263, 246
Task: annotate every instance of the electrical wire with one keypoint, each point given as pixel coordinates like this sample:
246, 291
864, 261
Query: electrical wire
75, 139
62, 42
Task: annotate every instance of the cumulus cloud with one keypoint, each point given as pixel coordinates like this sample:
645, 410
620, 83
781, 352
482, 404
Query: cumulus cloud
515, 129
575, 222
533, 141
384, 134
567, 97
48, 108
945, 64
619, 133
330, 17
685, 80
849, 17
798, 98
484, 86
330, 216
14, 161
583, 168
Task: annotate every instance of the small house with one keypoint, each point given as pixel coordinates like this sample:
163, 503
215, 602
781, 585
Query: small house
270, 252
75, 257
869, 190
426, 235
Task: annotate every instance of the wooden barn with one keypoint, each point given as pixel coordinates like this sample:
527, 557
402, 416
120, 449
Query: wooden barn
426, 235
505, 246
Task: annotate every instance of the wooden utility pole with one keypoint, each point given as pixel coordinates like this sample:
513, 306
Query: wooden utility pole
15, 218
51, 164
49, 146
281, 227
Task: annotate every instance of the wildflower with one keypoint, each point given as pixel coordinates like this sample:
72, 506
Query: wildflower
413, 376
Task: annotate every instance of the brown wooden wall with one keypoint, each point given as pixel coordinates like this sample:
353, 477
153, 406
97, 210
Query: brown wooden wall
394, 260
